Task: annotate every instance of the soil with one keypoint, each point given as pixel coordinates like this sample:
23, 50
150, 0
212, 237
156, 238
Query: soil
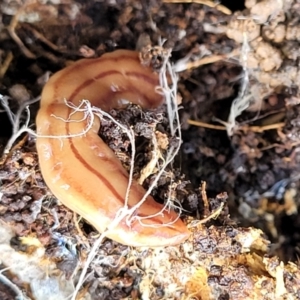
240, 108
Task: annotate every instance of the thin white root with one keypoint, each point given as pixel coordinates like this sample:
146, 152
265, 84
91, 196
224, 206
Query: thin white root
15, 120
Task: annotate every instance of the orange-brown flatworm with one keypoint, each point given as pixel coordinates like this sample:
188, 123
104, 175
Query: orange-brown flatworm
80, 169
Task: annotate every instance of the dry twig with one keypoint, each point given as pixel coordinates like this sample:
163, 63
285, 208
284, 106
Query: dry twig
3, 68
258, 129
183, 64
12, 31
209, 3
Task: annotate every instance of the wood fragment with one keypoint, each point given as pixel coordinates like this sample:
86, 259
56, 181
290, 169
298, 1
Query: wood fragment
12, 31
212, 4
257, 129
4, 67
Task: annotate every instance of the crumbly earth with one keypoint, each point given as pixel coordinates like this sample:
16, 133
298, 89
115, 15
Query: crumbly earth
239, 83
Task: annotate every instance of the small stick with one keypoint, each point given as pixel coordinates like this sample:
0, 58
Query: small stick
8, 59
12, 31
206, 125
184, 64
258, 129
41, 37
19, 145
207, 214
205, 200
212, 4
213, 215
267, 127
210, 59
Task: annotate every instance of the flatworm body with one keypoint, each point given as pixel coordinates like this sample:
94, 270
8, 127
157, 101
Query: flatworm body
82, 171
